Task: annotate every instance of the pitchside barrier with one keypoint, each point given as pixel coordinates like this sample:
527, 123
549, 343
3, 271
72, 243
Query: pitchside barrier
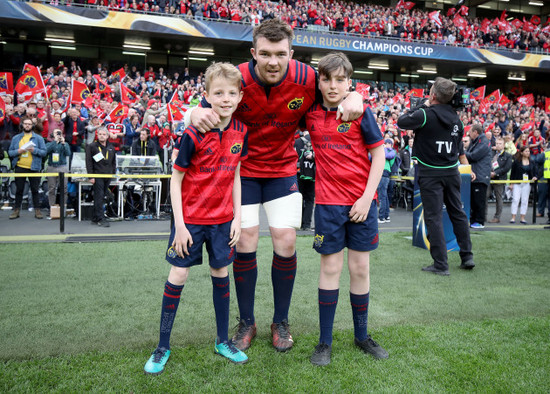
417, 207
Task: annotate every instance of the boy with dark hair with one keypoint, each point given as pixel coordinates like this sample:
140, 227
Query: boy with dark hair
205, 190
345, 214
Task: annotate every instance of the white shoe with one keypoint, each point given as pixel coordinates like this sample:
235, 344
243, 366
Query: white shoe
380, 221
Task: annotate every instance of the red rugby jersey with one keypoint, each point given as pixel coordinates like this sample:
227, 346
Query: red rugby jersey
341, 157
209, 162
115, 128
272, 114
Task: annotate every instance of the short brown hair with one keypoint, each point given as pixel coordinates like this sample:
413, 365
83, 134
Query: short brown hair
333, 62
444, 90
274, 30
226, 71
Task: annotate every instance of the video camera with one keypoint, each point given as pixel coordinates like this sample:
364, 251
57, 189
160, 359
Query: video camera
459, 100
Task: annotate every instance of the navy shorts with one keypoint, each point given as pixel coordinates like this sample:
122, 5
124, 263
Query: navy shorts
215, 236
334, 231
260, 190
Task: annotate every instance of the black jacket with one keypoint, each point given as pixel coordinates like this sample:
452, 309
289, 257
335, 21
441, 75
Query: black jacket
518, 170
80, 129
138, 149
107, 165
437, 138
479, 156
504, 161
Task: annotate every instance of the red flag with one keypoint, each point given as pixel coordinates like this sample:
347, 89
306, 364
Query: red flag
118, 75
30, 83
116, 114
26, 68
128, 97
529, 125
547, 105
176, 111
6, 83
485, 24
460, 22
517, 23
408, 5
535, 20
2, 110
363, 89
528, 26
463, 10
527, 99
484, 106
503, 100
416, 93
494, 97
79, 92
435, 17
503, 15
451, 12
101, 86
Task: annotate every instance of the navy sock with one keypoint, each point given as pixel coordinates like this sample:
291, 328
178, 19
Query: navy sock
220, 296
283, 272
328, 300
360, 309
245, 274
170, 302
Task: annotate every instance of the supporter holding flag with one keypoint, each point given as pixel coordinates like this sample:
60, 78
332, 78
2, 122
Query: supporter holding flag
116, 114
127, 96
435, 17
79, 92
527, 99
101, 86
118, 75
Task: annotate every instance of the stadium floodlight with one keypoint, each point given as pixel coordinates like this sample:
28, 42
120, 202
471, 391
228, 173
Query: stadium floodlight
363, 72
134, 53
137, 46
410, 76
477, 73
59, 39
379, 65
516, 76
459, 79
201, 52
3, 42
198, 59
63, 47
537, 3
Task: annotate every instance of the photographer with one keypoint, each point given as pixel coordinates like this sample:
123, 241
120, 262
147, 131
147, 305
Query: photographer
58, 152
438, 149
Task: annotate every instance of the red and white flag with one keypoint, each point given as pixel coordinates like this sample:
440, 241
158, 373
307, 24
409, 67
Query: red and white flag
2, 110
435, 17
116, 114
527, 99
478, 94
363, 89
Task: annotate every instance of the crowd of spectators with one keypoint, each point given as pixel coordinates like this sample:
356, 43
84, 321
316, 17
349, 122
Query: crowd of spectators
452, 28
518, 124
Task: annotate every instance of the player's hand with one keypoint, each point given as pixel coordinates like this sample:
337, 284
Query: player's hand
235, 232
360, 210
182, 241
473, 176
204, 119
351, 108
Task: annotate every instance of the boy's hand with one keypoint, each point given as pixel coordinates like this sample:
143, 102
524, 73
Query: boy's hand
204, 119
182, 241
235, 232
360, 210
351, 108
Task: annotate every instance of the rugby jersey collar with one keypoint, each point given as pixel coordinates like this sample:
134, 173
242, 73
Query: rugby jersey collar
252, 70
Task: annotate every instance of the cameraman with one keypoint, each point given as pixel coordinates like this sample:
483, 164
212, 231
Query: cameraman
438, 148
58, 152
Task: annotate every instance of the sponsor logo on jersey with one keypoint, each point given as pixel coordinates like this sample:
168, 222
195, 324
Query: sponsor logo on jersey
171, 252
343, 127
318, 240
236, 148
209, 151
270, 116
243, 107
454, 133
293, 188
295, 104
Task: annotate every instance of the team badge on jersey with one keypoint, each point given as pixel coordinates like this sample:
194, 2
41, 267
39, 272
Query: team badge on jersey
236, 148
343, 127
171, 252
318, 240
295, 104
